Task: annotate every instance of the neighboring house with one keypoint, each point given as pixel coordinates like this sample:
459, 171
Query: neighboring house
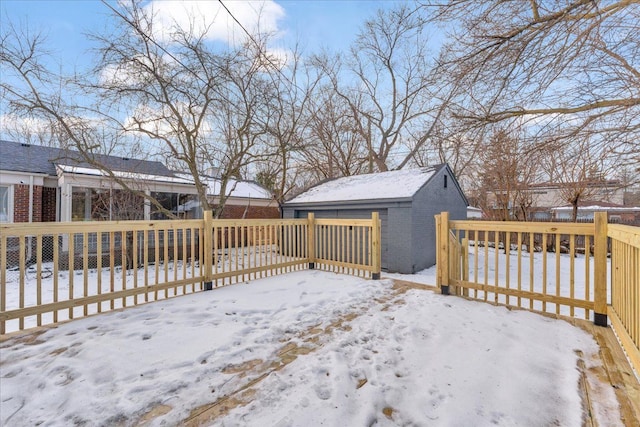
40, 184
245, 199
473, 212
541, 198
406, 200
587, 209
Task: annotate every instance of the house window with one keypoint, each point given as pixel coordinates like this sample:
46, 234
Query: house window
81, 204
98, 204
6, 203
180, 205
169, 201
445, 181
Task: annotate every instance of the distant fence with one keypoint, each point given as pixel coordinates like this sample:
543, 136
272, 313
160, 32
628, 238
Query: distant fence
550, 267
51, 272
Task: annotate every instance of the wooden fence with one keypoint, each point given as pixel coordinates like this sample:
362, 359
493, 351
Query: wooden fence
624, 310
51, 272
558, 268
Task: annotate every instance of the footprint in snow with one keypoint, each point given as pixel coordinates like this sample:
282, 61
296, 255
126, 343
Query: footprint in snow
62, 375
323, 392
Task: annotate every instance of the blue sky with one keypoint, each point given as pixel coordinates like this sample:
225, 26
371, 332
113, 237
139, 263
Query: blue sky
315, 23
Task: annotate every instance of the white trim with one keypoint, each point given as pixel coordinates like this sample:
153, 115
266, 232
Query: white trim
9, 177
10, 205
10, 172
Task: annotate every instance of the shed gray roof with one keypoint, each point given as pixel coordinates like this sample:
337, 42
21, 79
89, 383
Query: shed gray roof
18, 157
400, 184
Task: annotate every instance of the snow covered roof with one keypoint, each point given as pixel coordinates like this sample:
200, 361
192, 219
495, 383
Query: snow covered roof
244, 189
123, 174
598, 208
235, 188
398, 184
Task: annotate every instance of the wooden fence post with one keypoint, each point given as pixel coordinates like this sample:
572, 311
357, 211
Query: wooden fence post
311, 233
600, 269
465, 264
376, 254
438, 220
208, 250
443, 247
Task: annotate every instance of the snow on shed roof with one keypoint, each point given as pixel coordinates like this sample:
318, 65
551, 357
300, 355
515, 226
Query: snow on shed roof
376, 186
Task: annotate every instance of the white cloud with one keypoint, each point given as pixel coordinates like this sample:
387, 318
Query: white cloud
210, 19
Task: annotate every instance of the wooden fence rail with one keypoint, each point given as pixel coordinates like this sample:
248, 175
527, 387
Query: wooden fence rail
625, 288
558, 268
58, 271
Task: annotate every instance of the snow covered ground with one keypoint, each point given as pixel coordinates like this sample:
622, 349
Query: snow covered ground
301, 349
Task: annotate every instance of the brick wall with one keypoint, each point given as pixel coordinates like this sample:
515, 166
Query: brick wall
21, 203
254, 212
44, 203
48, 204
37, 203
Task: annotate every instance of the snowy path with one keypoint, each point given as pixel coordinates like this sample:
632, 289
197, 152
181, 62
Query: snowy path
306, 348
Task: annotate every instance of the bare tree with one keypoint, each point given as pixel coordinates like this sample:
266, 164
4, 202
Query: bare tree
338, 149
209, 109
390, 73
31, 90
199, 107
580, 171
287, 121
570, 69
506, 169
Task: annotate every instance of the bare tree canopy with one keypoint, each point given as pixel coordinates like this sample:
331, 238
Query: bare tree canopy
474, 84
567, 68
198, 106
388, 80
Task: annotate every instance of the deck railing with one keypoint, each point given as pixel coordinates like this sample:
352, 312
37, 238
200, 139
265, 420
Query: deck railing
558, 268
625, 288
51, 272
348, 246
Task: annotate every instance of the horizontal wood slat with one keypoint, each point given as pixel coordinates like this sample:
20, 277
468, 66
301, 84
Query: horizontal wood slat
94, 299
625, 233
632, 350
525, 294
524, 227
